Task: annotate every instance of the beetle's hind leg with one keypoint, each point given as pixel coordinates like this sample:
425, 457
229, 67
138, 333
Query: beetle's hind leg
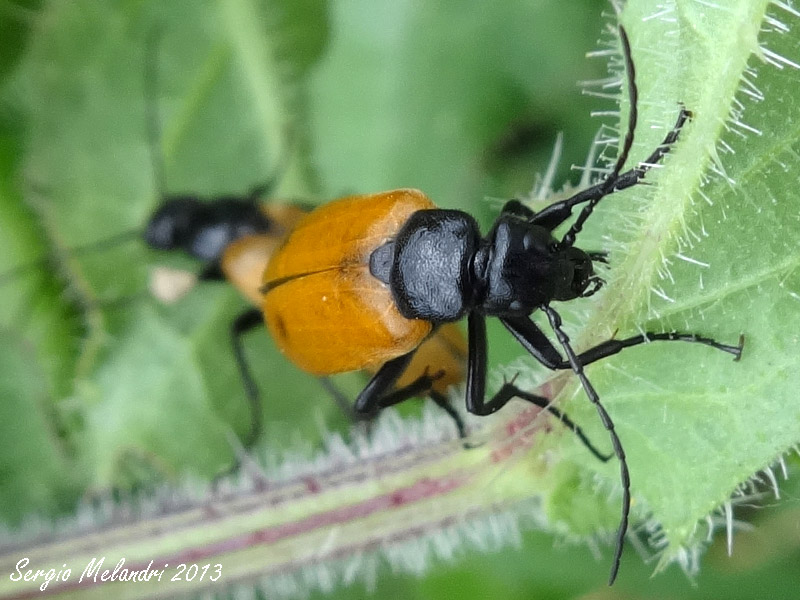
379, 393
443, 403
476, 379
509, 391
245, 322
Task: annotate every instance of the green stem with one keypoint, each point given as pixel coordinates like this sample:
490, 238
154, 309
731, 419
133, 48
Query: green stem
278, 528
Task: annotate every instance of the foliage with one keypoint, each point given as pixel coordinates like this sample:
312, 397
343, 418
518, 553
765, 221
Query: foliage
459, 100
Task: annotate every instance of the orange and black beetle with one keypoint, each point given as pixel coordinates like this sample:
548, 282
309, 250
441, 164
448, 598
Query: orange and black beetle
236, 237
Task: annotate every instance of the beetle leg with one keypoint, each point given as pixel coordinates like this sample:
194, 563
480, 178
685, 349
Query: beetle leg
416, 388
476, 363
419, 387
611, 347
509, 391
245, 322
369, 400
443, 403
340, 399
379, 394
541, 348
554, 215
535, 342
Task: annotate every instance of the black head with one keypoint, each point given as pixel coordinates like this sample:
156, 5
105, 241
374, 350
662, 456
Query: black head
172, 225
524, 268
203, 229
576, 272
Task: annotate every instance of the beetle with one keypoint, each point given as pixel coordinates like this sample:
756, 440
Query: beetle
236, 237
436, 364
363, 281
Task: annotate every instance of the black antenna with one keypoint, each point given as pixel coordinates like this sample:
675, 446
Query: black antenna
609, 183
577, 368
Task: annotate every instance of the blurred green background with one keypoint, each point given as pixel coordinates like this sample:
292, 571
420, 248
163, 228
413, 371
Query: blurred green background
460, 99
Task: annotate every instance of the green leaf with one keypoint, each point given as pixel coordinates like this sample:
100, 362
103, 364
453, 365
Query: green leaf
711, 249
453, 98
